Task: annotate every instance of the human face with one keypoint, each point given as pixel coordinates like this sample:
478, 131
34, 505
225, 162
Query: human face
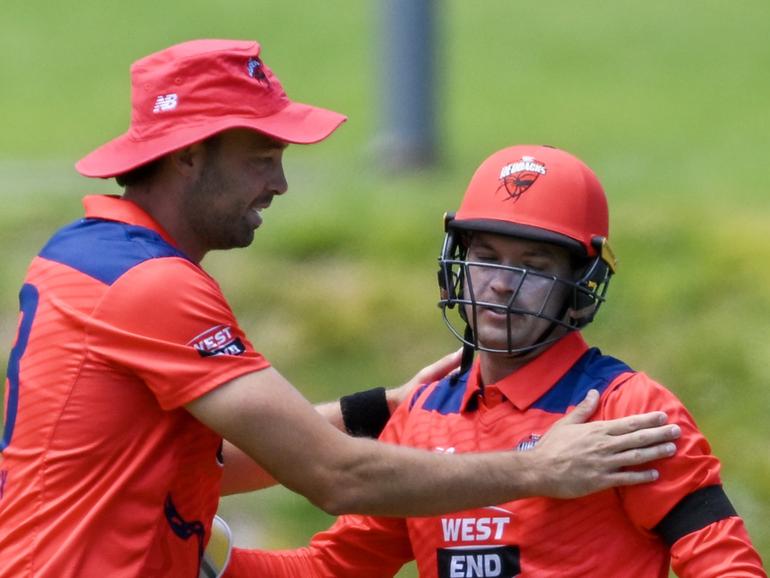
513, 282
241, 173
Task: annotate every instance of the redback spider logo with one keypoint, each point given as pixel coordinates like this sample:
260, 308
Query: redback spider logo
517, 177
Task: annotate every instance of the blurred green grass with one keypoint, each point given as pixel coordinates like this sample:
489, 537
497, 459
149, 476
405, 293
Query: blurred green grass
666, 101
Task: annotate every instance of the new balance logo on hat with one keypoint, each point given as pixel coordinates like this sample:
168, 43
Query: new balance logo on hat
164, 103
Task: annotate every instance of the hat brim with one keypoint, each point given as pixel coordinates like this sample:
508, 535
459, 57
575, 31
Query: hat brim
296, 123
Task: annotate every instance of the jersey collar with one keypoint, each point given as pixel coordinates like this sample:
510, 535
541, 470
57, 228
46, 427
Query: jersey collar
114, 208
530, 382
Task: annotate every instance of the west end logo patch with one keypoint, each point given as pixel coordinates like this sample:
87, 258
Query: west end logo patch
517, 177
218, 340
480, 562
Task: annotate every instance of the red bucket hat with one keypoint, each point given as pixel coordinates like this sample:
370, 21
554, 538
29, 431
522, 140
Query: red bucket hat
190, 91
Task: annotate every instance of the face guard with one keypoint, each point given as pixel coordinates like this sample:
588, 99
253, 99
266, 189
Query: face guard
567, 303
540, 194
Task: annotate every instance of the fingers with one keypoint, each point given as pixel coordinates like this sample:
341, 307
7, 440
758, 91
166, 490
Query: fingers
639, 453
429, 374
647, 437
584, 410
637, 456
440, 368
631, 478
634, 423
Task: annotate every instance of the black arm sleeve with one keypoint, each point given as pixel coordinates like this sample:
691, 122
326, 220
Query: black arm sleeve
693, 512
365, 413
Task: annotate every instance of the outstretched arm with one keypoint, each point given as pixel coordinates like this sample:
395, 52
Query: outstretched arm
269, 420
243, 474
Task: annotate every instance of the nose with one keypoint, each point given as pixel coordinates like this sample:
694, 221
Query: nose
505, 281
278, 184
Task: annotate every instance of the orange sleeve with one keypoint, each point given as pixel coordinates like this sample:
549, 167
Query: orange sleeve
720, 549
167, 322
693, 467
355, 546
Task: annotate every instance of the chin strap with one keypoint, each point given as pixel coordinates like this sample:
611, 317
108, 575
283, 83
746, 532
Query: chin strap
468, 351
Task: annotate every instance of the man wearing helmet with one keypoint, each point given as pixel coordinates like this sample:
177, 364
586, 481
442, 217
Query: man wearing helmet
525, 264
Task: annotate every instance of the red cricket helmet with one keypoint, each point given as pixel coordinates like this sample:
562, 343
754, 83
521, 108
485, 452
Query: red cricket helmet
537, 193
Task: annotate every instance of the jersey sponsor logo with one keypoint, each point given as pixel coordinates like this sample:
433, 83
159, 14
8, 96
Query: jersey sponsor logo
517, 177
218, 340
474, 529
528, 443
165, 103
479, 562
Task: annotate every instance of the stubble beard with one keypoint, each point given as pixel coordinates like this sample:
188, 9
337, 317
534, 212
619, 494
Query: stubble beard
216, 222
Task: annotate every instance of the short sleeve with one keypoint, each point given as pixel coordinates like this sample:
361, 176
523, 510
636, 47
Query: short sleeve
166, 321
692, 468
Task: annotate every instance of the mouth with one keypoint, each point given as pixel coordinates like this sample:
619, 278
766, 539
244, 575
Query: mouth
254, 214
495, 309
500, 314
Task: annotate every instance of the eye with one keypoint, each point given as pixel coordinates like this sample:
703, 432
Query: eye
485, 257
539, 265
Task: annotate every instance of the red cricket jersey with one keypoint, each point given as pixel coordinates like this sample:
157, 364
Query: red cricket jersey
610, 533
104, 473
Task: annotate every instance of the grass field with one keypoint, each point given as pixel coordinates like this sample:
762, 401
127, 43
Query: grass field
666, 101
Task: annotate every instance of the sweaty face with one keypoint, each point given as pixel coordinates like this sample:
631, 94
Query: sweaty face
512, 282
241, 174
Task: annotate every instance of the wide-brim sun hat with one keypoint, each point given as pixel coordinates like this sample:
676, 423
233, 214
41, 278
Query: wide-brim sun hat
191, 91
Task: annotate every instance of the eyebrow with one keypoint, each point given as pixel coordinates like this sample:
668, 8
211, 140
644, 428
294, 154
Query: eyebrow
263, 141
271, 146
544, 251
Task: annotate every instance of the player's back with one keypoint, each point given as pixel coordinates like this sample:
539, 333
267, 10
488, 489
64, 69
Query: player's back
88, 453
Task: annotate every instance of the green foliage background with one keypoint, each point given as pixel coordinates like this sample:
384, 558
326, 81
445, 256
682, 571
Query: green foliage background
667, 101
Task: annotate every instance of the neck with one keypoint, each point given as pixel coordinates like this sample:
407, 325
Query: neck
161, 205
494, 367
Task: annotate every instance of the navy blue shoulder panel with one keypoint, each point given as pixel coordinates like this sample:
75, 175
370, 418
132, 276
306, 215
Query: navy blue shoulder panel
447, 396
592, 371
105, 250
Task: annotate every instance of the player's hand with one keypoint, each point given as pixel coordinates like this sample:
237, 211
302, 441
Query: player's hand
428, 374
582, 458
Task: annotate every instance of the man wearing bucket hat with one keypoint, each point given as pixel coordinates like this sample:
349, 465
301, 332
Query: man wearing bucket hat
524, 266
129, 367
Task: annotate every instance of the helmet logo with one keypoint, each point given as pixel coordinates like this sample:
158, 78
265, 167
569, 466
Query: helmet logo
519, 176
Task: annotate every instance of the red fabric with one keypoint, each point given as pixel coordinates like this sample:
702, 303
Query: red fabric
193, 90
605, 534
103, 456
541, 187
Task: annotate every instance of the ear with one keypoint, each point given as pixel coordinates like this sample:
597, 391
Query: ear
582, 316
189, 160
